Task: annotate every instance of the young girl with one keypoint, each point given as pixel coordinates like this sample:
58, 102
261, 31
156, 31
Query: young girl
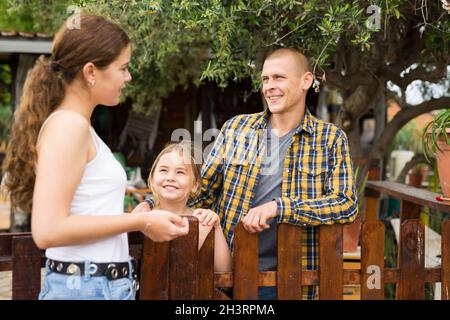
59, 169
174, 179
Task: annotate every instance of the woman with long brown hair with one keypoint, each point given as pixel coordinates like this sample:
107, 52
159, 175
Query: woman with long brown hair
59, 169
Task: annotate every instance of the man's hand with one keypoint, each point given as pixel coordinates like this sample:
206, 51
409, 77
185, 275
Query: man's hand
257, 218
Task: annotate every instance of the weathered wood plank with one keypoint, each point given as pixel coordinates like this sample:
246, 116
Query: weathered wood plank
412, 261
206, 268
372, 260
26, 269
154, 277
245, 262
311, 277
331, 275
408, 193
409, 210
183, 264
289, 273
445, 260
6, 242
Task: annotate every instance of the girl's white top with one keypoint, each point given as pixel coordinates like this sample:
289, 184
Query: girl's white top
100, 193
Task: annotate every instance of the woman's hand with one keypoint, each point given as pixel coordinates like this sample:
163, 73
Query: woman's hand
161, 225
207, 217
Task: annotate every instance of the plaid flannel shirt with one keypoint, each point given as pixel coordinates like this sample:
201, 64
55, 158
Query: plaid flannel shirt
317, 183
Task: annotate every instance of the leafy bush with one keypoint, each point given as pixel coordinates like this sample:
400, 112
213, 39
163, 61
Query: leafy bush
5, 105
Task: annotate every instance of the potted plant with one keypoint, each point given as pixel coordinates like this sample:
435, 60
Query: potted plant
436, 143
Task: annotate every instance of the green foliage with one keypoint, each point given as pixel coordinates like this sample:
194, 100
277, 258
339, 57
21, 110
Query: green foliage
5, 123
166, 54
11, 21
5, 104
33, 15
182, 42
178, 43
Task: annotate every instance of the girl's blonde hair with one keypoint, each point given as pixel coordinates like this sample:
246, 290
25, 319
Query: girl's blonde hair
187, 150
99, 41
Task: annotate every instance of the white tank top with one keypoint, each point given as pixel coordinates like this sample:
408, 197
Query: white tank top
100, 193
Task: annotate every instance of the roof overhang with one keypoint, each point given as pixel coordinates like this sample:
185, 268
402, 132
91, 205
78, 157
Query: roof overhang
25, 46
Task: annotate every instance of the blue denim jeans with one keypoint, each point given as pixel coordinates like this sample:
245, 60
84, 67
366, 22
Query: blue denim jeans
85, 287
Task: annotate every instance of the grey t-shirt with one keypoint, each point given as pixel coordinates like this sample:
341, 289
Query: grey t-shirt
268, 188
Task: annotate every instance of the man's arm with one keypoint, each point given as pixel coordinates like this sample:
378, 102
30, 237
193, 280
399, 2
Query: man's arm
339, 203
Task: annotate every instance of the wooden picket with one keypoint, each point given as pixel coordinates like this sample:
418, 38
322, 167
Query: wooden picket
289, 272
206, 269
331, 274
171, 269
183, 265
412, 261
26, 271
372, 260
445, 265
154, 271
245, 265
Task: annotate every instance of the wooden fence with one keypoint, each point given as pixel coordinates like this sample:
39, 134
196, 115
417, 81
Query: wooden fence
177, 270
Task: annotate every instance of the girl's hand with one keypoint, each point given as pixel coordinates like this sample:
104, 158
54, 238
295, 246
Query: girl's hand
141, 207
207, 217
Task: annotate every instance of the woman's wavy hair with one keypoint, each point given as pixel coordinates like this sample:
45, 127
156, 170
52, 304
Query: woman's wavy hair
97, 40
186, 150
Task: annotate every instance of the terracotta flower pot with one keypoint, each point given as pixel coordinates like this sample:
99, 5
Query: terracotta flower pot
351, 235
415, 179
443, 162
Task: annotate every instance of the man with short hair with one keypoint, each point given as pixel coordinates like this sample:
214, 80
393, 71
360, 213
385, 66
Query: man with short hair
280, 166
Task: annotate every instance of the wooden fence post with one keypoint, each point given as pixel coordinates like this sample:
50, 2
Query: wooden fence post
245, 286
206, 268
183, 265
154, 278
26, 269
372, 260
331, 274
445, 260
169, 270
412, 261
289, 273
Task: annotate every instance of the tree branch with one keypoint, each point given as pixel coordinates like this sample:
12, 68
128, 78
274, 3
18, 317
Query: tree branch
420, 73
401, 118
337, 80
348, 82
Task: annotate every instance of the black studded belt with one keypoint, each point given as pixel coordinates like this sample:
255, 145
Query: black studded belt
112, 271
